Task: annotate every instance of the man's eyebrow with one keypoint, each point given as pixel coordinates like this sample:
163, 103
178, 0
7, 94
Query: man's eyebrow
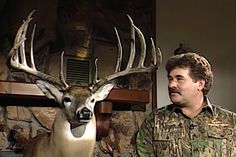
178, 76
175, 76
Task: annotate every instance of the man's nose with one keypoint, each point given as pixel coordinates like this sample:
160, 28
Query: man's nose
172, 84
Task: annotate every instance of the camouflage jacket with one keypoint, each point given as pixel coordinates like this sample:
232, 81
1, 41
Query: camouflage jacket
167, 132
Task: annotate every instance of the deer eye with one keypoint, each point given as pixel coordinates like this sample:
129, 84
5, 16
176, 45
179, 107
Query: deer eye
66, 101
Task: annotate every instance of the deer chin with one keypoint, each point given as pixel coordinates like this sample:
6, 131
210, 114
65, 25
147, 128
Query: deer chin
76, 132
78, 128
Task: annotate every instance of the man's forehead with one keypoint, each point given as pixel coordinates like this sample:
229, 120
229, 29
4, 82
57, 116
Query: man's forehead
179, 71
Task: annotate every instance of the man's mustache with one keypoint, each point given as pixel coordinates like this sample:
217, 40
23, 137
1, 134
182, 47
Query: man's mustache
173, 90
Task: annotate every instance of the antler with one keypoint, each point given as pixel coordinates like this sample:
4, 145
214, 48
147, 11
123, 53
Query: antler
17, 56
155, 63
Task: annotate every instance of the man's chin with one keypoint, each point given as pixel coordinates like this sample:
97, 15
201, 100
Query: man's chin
175, 100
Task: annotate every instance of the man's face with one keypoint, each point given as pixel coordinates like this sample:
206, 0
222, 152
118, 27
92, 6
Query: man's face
183, 90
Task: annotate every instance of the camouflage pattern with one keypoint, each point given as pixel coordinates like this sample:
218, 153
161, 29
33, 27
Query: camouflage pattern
167, 132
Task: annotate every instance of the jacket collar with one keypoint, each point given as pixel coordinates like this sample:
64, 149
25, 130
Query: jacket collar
207, 106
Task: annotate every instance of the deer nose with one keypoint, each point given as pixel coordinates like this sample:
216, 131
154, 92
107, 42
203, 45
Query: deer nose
84, 114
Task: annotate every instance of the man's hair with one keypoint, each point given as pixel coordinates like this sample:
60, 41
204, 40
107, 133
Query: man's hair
200, 69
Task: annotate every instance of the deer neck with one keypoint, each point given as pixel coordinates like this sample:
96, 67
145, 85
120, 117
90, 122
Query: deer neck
61, 137
62, 128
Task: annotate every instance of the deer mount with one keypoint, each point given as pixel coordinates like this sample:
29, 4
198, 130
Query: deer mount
74, 129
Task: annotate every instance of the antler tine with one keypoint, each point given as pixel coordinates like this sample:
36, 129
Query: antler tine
143, 47
32, 49
132, 45
22, 46
119, 49
21, 63
156, 55
61, 76
96, 71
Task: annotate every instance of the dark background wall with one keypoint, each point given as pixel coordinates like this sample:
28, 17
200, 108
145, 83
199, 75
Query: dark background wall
208, 27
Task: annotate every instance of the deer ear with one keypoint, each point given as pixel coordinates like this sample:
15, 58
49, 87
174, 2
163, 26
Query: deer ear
51, 91
103, 92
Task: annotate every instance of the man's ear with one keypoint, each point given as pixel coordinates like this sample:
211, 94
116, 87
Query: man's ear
50, 90
201, 84
103, 92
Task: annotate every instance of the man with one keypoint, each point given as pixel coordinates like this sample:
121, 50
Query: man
191, 126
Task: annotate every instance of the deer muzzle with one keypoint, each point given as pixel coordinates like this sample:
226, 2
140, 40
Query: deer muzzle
84, 115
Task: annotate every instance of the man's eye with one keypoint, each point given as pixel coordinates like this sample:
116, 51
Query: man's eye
170, 79
180, 78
